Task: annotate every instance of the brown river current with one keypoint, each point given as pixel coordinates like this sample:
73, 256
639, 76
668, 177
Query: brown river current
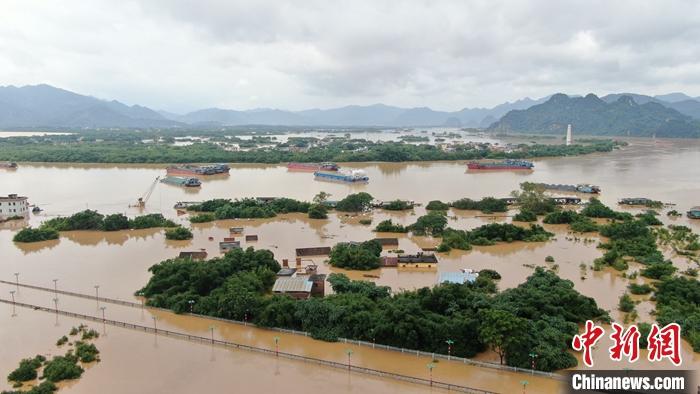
136, 362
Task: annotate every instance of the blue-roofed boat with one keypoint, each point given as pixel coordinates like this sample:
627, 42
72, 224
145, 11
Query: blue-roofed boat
354, 176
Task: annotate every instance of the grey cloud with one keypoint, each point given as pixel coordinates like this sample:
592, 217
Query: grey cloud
181, 55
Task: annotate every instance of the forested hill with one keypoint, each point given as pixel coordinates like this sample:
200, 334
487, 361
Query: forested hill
592, 115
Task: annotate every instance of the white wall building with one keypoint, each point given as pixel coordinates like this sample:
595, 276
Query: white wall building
13, 205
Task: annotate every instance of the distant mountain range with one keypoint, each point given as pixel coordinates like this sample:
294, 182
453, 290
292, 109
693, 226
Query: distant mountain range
354, 115
47, 106
623, 114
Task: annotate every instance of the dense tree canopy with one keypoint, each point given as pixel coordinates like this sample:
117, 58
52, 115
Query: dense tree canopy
356, 256
543, 311
139, 146
356, 202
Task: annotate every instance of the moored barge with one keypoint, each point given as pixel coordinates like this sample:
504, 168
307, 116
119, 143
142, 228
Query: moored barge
182, 181
313, 166
354, 176
195, 170
508, 164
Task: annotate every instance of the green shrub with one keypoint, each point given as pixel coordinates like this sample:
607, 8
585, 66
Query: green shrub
525, 216
398, 205
29, 234
86, 352
626, 304
437, 205
355, 202
658, 270
489, 273
203, 218
62, 368
388, 226
178, 233
318, 211
433, 223
596, 209
487, 204
115, 222
639, 289
27, 369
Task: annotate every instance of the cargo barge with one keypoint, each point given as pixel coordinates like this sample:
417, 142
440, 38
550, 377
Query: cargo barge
182, 181
194, 170
507, 164
355, 176
313, 166
580, 188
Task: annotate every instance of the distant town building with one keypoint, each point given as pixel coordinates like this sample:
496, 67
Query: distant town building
13, 205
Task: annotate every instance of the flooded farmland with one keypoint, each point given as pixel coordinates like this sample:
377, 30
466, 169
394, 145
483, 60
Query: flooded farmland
664, 170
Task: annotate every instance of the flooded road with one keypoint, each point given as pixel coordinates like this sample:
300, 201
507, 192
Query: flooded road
663, 170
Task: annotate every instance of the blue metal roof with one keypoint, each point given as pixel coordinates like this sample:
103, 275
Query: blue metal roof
457, 277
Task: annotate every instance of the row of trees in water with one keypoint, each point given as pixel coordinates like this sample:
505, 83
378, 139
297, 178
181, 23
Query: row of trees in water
144, 147
90, 220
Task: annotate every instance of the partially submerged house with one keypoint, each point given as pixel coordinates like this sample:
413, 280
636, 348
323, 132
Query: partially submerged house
226, 246
420, 260
194, 255
317, 251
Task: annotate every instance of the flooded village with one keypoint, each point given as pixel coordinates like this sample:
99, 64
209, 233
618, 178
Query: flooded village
114, 265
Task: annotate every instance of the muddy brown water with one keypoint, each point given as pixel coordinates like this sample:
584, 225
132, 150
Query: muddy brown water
665, 170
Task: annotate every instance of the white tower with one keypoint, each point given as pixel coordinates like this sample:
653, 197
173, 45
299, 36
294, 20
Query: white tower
569, 136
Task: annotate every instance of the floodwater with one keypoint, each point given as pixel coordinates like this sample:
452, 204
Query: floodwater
663, 170
4, 134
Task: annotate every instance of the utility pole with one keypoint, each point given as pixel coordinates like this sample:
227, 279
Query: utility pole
349, 353
55, 302
211, 328
524, 383
97, 294
14, 312
104, 321
17, 280
55, 287
449, 343
155, 326
191, 302
277, 346
533, 357
430, 368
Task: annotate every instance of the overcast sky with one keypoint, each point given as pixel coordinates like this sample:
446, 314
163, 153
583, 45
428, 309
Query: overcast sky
181, 55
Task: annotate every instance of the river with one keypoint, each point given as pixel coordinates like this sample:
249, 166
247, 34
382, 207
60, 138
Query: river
666, 170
